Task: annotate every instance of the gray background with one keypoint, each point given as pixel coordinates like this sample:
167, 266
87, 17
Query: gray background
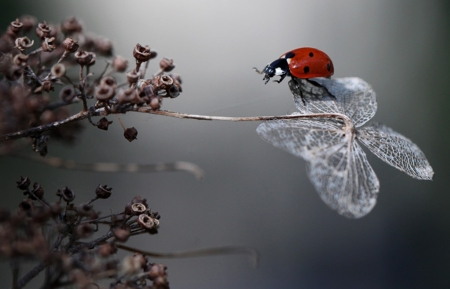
254, 194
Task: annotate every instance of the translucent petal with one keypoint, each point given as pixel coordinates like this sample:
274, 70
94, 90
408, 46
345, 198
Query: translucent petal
351, 96
396, 150
337, 166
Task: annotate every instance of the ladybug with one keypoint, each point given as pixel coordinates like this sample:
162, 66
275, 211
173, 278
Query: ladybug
305, 62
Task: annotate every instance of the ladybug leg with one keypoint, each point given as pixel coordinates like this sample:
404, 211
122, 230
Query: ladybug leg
281, 78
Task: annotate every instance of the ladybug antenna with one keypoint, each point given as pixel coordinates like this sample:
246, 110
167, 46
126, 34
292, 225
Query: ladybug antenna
258, 71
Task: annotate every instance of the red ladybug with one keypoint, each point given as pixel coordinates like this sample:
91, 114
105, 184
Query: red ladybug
305, 62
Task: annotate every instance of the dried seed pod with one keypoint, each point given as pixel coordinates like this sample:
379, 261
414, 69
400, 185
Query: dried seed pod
107, 249
71, 25
138, 208
70, 45
104, 92
155, 103
145, 221
67, 194
119, 64
28, 22
108, 81
67, 93
121, 235
83, 58
173, 91
162, 81
133, 77
58, 70
143, 53
166, 64
84, 230
16, 26
20, 60
103, 192
103, 46
130, 134
103, 123
128, 95
23, 43
48, 45
43, 30
23, 183
38, 191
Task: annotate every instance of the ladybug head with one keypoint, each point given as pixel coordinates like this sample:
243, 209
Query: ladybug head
278, 67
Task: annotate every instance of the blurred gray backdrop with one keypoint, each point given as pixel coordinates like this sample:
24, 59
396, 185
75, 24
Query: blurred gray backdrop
254, 194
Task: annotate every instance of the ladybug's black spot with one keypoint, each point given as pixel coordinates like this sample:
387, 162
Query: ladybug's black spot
311, 54
306, 69
289, 55
328, 66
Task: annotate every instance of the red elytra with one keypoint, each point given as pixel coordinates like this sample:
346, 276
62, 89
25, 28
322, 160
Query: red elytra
308, 62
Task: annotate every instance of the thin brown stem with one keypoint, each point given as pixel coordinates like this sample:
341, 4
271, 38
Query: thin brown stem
253, 254
101, 112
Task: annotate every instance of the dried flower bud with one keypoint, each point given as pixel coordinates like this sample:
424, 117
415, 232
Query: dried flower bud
38, 191
16, 26
48, 45
103, 124
119, 64
83, 58
43, 30
121, 235
103, 46
28, 22
166, 64
104, 92
23, 43
67, 194
20, 60
67, 93
70, 45
103, 192
133, 77
23, 183
58, 70
145, 221
143, 53
130, 134
71, 25
93, 59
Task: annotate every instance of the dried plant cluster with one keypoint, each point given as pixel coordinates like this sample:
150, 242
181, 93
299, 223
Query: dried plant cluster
42, 74
65, 238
